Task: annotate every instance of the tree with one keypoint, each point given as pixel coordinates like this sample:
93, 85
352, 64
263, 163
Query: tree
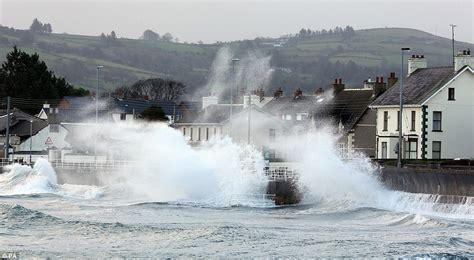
36, 26
153, 89
113, 35
154, 113
25, 76
168, 37
150, 35
47, 28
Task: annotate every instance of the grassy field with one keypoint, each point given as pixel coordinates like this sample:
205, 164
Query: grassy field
127, 60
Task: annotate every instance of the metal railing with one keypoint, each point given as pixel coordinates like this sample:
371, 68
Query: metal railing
281, 173
92, 165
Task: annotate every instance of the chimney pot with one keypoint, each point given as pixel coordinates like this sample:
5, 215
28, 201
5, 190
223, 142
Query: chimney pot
335, 81
377, 79
340, 81
381, 79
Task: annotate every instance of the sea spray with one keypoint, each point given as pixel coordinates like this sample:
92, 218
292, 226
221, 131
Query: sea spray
333, 182
22, 179
216, 172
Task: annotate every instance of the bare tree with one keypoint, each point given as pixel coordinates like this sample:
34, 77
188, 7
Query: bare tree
153, 89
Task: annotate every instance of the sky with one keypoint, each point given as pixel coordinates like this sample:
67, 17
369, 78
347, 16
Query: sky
226, 20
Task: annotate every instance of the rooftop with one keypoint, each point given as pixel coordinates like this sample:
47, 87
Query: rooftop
417, 87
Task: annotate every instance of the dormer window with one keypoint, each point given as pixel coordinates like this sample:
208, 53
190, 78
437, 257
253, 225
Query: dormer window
451, 94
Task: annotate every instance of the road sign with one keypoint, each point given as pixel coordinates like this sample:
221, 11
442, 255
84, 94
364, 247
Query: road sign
48, 141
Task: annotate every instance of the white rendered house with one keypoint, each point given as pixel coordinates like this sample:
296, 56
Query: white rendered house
438, 112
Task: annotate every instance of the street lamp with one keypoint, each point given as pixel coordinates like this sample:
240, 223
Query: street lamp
400, 129
31, 137
452, 32
235, 60
96, 112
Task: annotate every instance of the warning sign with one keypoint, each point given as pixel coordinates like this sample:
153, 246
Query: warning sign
48, 141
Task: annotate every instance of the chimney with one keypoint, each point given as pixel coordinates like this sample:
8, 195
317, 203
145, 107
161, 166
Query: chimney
298, 93
260, 93
337, 86
254, 100
319, 91
210, 100
391, 80
278, 93
379, 87
462, 59
416, 62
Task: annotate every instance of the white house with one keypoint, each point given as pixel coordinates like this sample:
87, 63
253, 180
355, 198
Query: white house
438, 113
213, 122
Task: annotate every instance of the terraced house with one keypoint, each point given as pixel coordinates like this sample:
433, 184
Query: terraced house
438, 113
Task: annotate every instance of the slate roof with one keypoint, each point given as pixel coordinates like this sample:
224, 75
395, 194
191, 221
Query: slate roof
291, 105
418, 87
213, 114
138, 106
347, 107
78, 116
80, 102
20, 123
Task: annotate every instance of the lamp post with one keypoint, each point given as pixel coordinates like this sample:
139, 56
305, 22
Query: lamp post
235, 60
400, 129
31, 138
452, 32
96, 112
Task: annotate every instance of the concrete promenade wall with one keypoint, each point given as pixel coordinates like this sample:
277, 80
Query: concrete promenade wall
430, 181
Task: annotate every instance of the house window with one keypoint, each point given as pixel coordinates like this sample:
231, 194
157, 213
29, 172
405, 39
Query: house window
272, 134
54, 128
184, 131
413, 120
288, 117
207, 133
411, 148
199, 134
436, 152
298, 117
451, 94
191, 134
398, 120
215, 131
123, 116
437, 120
384, 150
385, 120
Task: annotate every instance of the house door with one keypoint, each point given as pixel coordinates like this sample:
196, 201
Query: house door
384, 150
411, 148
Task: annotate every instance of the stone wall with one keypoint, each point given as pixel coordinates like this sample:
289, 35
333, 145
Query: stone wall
429, 181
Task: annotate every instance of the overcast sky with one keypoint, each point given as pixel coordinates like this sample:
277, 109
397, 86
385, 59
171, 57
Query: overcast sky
227, 20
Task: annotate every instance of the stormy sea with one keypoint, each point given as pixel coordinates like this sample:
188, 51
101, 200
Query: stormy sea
210, 202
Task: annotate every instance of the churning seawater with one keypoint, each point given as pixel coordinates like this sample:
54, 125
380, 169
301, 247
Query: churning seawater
211, 206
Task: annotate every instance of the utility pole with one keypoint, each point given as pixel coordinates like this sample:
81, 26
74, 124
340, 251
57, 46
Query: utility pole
31, 137
232, 95
7, 137
250, 115
400, 120
96, 113
452, 32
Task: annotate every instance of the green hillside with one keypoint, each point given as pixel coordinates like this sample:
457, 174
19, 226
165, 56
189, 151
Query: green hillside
310, 61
